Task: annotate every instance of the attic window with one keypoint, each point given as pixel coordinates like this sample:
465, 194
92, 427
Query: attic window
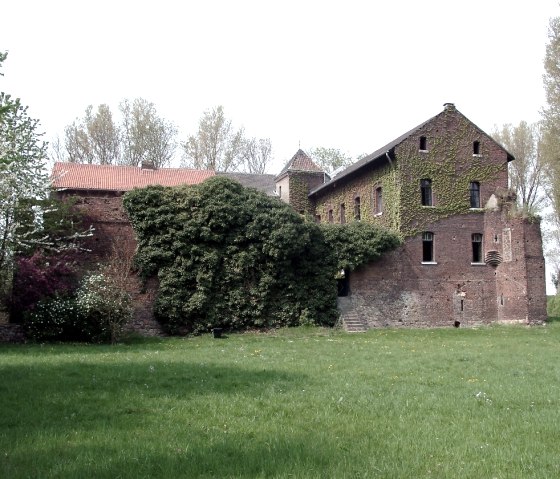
423, 143
476, 148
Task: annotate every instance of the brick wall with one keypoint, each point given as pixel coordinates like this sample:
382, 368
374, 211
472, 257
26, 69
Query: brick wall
398, 290
114, 242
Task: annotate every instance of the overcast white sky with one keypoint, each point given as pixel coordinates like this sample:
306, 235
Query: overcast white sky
346, 74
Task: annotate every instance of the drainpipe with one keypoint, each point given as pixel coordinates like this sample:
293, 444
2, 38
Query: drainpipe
388, 157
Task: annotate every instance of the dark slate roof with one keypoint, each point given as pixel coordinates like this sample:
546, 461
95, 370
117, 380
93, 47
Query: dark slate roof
301, 162
264, 183
382, 153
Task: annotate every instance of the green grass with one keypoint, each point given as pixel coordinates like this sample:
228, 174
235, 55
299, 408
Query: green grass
303, 403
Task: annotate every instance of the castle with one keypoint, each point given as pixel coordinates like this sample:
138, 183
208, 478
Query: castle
467, 258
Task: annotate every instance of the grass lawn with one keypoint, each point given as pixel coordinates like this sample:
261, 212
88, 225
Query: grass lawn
302, 403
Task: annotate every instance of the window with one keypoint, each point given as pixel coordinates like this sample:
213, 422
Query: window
476, 148
474, 190
357, 209
280, 191
317, 218
477, 248
426, 190
331, 217
342, 214
423, 143
378, 199
427, 247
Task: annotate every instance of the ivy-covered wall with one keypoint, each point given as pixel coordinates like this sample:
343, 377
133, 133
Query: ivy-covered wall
364, 187
300, 184
448, 160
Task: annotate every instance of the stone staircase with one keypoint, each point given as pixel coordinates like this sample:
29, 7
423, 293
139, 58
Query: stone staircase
351, 320
352, 323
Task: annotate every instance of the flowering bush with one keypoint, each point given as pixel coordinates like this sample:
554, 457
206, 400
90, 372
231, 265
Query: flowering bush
104, 306
53, 319
96, 312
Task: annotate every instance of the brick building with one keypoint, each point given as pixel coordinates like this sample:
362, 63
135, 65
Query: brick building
466, 257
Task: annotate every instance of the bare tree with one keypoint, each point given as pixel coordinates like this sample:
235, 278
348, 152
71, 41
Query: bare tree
103, 135
97, 138
76, 142
216, 145
257, 154
145, 135
527, 172
330, 159
92, 139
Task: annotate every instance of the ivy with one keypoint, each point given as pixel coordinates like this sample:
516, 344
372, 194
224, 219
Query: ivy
232, 257
358, 243
400, 180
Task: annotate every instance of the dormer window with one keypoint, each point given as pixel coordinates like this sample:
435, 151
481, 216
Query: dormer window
423, 143
476, 148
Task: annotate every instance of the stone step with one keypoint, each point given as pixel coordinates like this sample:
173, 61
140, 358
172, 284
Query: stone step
353, 323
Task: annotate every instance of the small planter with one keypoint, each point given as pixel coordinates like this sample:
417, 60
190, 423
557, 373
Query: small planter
217, 332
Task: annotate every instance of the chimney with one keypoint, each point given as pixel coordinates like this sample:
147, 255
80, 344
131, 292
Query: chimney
449, 106
147, 165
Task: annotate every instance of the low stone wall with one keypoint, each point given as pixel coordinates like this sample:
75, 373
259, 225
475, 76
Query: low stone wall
11, 333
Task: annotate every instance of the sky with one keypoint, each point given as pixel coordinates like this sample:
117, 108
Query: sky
351, 75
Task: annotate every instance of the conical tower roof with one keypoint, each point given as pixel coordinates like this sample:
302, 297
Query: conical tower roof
300, 162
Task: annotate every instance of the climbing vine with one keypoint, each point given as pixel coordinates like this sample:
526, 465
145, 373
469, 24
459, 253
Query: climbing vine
448, 161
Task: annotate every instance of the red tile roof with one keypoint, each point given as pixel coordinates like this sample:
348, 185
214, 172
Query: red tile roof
77, 176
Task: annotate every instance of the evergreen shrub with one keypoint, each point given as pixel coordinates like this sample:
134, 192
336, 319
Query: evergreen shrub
232, 257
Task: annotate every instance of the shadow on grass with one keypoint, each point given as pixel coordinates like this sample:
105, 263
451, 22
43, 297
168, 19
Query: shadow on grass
147, 418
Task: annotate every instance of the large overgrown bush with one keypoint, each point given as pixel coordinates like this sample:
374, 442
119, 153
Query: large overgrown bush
228, 256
